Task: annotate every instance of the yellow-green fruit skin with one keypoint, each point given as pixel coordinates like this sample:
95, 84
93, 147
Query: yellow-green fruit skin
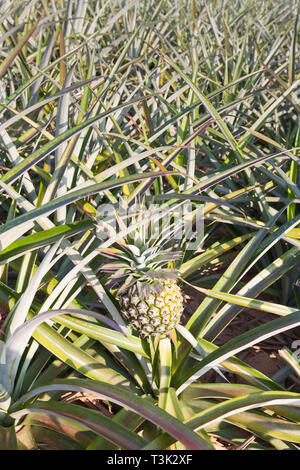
154, 314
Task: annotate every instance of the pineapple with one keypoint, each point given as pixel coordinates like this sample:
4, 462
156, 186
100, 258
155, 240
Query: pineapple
154, 313
150, 298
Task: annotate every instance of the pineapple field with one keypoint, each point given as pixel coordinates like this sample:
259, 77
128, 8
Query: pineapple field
149, 226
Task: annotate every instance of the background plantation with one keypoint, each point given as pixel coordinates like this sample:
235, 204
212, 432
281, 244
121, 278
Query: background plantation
171, 101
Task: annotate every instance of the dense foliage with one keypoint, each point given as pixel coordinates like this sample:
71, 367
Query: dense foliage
186, 103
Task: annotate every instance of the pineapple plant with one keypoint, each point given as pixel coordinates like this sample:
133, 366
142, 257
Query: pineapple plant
146, 283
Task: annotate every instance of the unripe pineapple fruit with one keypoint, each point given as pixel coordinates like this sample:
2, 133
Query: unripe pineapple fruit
149, 296
156, 313
143, 273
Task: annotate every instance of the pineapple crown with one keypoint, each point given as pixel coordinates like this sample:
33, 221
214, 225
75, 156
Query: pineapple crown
141, 261
145, 266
